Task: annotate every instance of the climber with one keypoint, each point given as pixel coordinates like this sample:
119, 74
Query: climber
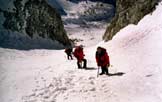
102, 60
78, 53
69, 51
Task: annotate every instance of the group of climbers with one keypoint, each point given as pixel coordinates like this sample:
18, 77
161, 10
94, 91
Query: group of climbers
102, 58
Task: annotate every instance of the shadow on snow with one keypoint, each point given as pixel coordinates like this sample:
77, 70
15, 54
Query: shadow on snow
117, 74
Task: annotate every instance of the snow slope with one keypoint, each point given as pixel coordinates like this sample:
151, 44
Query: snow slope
16, 40
86, 21
87, 36
46, 75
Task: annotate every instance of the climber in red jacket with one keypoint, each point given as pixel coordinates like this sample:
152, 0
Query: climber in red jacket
78, 53
102, 60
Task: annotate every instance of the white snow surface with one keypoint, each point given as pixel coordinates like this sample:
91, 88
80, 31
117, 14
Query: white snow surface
85, 36
47, 76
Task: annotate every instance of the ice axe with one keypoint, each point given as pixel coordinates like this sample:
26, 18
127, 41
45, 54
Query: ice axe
98, 71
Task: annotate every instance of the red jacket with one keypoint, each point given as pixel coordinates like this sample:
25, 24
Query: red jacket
78, 53
102, 58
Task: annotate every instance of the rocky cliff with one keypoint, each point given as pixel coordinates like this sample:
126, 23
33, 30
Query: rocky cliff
35, 18
128, 12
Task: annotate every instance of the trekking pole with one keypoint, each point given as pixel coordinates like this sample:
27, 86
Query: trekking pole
98, 71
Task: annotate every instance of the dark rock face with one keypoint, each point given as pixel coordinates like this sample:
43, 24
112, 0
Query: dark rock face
128, 12
36, 18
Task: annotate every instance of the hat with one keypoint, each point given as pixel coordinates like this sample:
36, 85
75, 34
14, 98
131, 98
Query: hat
81, 46
99, 47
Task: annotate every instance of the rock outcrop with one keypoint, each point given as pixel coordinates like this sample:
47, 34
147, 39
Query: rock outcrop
35, 18
128, 12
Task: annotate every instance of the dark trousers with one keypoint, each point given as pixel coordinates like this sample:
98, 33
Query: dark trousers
84, 63
104, 70
69, 56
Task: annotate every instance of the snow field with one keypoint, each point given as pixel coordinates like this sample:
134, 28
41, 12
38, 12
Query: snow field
47, 76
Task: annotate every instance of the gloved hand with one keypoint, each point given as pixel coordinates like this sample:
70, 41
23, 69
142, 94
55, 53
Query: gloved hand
108, 65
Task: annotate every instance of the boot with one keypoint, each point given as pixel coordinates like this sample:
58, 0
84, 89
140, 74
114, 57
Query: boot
85, 63
106, 70
79, 65
103, 72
